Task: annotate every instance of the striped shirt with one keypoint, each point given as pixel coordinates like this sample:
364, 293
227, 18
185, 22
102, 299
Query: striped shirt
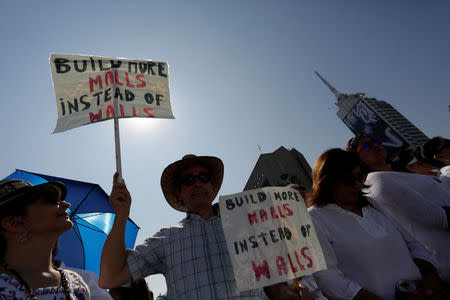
194, 259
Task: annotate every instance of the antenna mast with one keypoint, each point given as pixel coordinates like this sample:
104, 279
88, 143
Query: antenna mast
332, 89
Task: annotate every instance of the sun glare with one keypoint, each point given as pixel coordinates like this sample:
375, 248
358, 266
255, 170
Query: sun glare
138, 125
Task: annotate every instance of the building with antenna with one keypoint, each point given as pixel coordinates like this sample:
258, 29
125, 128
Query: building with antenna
370, 116
280, 168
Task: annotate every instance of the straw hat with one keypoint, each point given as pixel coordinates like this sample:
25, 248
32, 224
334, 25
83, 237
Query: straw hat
170, 176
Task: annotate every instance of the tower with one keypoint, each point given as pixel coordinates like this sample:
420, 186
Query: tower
280, 168
373, 117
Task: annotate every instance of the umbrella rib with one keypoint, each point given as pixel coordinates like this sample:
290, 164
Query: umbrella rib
82, 201
95, 228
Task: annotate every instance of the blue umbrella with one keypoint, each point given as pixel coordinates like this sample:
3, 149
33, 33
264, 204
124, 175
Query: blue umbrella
92, 215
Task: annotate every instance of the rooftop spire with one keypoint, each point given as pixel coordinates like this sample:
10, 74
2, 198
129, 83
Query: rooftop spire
333, 90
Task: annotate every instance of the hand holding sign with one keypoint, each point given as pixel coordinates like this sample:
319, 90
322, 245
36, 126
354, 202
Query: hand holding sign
120, 197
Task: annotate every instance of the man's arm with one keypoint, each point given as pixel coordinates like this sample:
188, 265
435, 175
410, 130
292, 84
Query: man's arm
114, 270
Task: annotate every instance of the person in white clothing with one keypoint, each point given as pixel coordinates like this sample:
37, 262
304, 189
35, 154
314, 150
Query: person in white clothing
365, 251
436, 152
418, 203
410, 161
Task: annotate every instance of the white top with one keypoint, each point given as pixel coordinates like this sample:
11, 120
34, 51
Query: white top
366, 252
415, 202
445, 176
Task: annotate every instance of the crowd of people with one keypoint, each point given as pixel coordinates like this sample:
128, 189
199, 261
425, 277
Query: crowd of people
383, 228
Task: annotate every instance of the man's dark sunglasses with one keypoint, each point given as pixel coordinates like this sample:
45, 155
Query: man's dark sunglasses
189, 179
367, 145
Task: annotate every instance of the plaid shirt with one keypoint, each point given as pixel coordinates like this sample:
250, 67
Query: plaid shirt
193, 256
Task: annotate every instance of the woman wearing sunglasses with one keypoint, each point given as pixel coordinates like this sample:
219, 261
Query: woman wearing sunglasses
418, 202
31, 220
366, 253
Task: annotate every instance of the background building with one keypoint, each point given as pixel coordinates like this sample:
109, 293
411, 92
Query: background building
280, 168
378, 118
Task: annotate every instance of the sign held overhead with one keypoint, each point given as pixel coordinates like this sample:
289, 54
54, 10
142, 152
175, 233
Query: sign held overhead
87, 86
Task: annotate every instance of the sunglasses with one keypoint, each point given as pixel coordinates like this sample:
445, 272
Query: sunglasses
367, 145
349, 180
189, 179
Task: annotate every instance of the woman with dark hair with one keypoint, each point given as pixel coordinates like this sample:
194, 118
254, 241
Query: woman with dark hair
419, 203
366, 253
436, 152
31, 220
410, 161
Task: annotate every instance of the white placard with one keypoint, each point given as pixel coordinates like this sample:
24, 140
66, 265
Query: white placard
270, 237
86, 86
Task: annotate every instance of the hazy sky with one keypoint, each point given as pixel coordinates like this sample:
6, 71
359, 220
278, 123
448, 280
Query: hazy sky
241, 75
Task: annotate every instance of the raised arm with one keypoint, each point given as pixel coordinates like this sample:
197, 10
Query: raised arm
114, 270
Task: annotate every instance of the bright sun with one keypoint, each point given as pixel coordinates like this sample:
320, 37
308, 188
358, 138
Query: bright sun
139, 124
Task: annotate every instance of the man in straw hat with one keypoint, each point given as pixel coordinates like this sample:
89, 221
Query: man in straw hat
193, 254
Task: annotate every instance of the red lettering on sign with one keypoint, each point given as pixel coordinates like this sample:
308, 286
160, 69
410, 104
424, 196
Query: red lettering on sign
128, 80
97, 80
288, 211
262, 269
309, 265
122, 113
252, 218
109, 112
263, 215
273, 213
109, 78
117, 77
280, 212
281, 265
147, 110
143, 83
298, 261
95, 117
294, 269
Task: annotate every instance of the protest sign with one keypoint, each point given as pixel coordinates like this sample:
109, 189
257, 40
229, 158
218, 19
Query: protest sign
86, 88
270, 237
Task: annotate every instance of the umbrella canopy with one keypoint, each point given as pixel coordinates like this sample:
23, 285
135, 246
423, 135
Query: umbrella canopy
92, 215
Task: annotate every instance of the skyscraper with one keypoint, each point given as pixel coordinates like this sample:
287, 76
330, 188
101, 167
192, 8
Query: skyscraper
377, 118
280, 168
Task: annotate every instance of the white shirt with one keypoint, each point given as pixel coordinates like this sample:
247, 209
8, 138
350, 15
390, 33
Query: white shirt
415, 202
366, 252
445, 176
